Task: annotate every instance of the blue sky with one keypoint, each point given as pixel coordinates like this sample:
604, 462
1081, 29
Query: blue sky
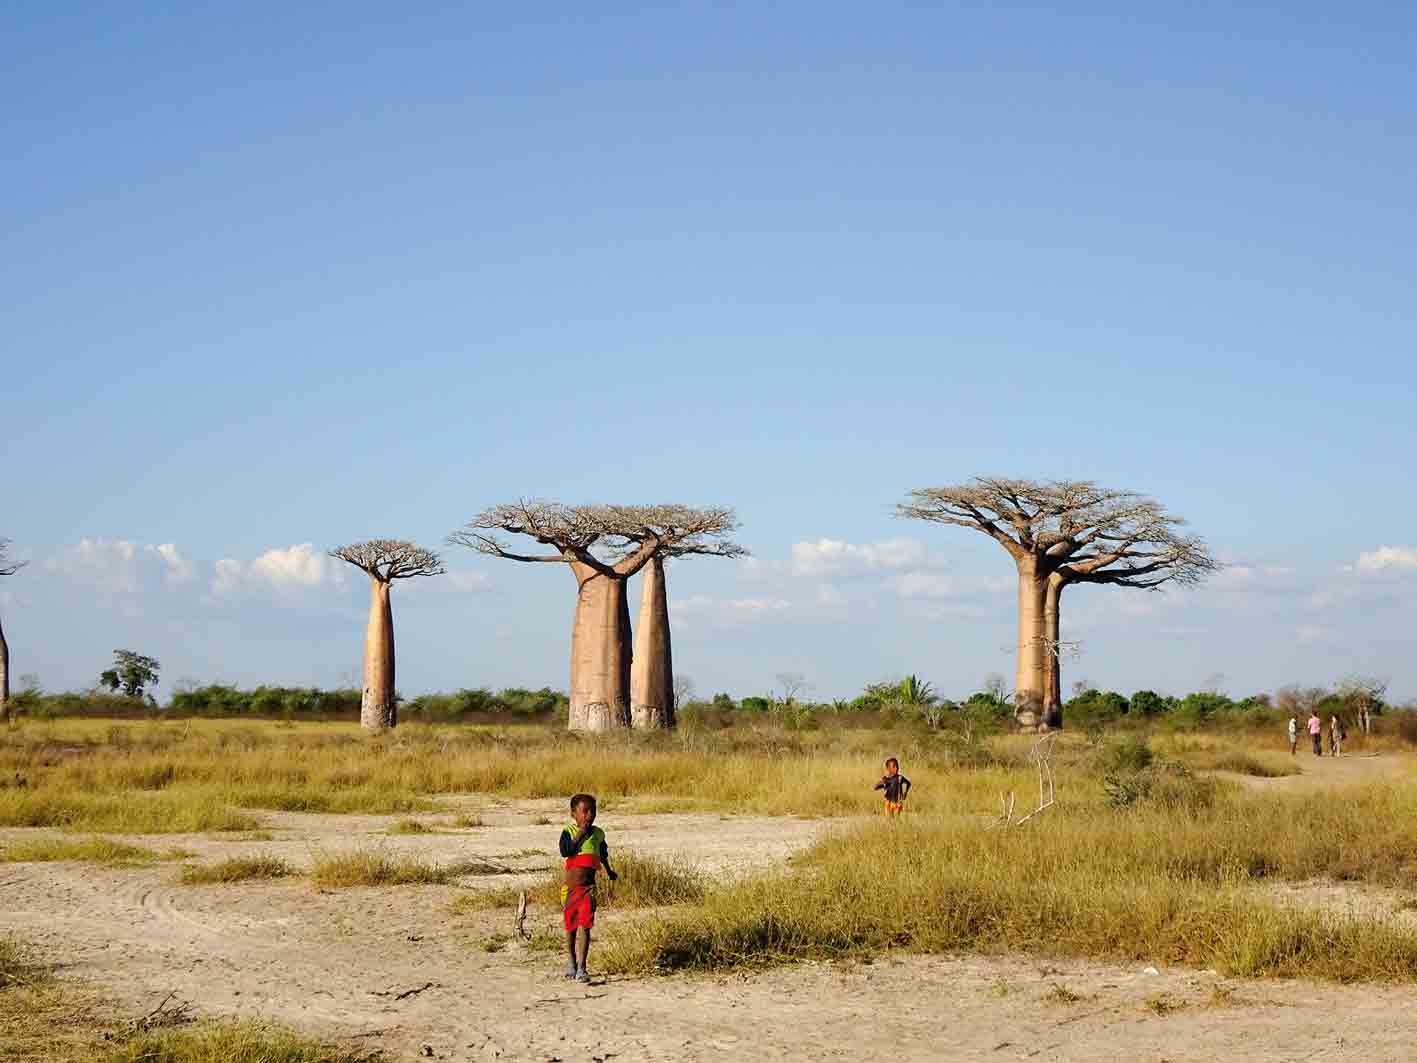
281, 276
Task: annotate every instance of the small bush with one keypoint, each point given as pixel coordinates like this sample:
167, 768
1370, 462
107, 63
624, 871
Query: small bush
1168, 784
410, 826
237, 869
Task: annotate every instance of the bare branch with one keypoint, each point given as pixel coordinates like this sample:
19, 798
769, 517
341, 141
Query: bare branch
613, 539
390, 559
8, 567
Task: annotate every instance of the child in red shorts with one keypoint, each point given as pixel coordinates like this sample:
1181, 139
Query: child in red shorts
584, 850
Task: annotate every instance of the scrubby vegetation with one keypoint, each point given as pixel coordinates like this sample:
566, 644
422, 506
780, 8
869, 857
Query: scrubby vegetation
43, 1019
645, 882
237, 869
92, 850
1140, 883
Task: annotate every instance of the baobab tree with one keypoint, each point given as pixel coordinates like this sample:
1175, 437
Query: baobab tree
7, 568
1072, 529
1143, 548
383, 561
603, 546
702, 532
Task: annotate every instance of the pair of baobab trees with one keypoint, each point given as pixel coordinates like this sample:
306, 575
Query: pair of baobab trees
1058, 533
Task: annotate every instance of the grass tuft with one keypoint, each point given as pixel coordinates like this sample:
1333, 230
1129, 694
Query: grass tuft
410, 826
91, 850
246, 1042
237, 869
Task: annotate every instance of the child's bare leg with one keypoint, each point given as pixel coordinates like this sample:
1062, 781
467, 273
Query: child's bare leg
571, 947
582, 948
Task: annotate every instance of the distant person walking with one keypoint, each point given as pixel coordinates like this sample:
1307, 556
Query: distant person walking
1335, 736
1316, 732
1293, 735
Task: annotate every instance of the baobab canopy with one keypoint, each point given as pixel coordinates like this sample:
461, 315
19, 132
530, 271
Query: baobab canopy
605, 545
1061, 532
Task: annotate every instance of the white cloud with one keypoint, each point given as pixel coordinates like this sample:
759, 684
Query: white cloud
730, 611
179, 569
1389, 558
833, 556
294, 566
227, 576
926, 584
111, 563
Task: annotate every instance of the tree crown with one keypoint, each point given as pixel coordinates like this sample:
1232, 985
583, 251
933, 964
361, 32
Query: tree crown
613, 540
390, 559
131, 672
1075, 529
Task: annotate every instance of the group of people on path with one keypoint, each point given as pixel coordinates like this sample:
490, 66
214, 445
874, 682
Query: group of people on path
1336, 734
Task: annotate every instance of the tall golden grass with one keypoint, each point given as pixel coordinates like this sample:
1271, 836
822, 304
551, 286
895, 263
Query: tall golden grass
1135, 885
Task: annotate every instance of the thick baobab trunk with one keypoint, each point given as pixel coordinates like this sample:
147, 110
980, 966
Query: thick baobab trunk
5, 710
600, 653
652, 672
377, 709
1052, 654
1029, 680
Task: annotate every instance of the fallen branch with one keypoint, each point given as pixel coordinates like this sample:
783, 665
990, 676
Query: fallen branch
405, 994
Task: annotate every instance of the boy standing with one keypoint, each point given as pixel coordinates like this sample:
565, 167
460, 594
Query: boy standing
896, 786
584, 850
1293, 734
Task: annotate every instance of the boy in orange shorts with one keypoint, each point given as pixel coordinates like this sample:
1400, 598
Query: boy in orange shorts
896, 786
584, 850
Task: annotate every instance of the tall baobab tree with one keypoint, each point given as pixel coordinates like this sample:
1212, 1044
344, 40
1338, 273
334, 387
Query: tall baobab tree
7, 568
702, 532
1072, 529
603, 546
384, 560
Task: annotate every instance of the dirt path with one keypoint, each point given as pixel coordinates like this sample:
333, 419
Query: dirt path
1318, 773
357, 965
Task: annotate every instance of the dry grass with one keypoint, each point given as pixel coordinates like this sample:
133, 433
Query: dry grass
45, 1020
202, 775
645, 882
1132, 886
91, 850
374, 867
245, 1042
237, 869
410, 826
1061, 994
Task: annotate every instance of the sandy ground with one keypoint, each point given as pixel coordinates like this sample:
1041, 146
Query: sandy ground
395, 969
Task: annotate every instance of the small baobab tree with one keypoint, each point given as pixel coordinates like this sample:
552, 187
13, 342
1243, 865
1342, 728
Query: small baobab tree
603, 546
7, 568
1071, 529
383, 561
